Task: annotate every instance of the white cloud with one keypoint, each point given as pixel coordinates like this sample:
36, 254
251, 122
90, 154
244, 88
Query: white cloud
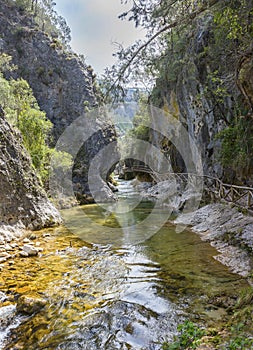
95, 25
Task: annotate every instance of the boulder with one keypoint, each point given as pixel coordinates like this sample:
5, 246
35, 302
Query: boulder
20, 187
30, 304
30, 250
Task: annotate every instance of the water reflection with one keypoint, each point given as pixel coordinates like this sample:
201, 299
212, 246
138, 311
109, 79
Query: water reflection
129, 221
121, 296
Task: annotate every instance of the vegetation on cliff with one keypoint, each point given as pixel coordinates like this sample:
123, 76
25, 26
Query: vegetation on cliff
202, 53
22, 111
46, 18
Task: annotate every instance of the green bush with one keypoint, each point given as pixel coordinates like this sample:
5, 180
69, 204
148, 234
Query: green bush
23, 112
189, 338
237, 146
141, 132
239, 343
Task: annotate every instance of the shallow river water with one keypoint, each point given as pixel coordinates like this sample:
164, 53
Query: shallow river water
107, 288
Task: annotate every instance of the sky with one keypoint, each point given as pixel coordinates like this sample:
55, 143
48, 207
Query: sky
95, 27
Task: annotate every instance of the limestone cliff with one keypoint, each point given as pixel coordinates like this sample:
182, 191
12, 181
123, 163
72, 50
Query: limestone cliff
61, 81
206, 80
22, 199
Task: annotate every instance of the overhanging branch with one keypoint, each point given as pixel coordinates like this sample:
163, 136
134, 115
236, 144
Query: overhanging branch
167, 27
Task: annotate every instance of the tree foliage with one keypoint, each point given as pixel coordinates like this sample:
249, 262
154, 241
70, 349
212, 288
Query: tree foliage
141, 121
23, 112
45, 16
237, 146
209, 42
161, 19
168, 22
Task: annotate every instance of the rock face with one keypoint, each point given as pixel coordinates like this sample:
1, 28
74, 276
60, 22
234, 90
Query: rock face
228, 230
30, 304
62, 83
22, 199
60, 80
196, 94
202, 115
95, 148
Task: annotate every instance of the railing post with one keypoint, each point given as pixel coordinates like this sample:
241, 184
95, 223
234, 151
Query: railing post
232, 193
229, 192
221, 191
249, 199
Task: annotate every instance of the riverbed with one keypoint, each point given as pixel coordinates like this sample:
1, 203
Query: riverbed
106, 288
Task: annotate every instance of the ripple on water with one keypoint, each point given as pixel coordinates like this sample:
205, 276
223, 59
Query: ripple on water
98, 299
8, 321
102, 297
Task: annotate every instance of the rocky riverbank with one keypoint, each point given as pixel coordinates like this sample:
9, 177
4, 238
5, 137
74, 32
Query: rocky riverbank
228, 230
16, 242
19, 250
24, 205
9, 235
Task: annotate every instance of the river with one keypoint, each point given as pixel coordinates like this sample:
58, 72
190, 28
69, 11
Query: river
115, 292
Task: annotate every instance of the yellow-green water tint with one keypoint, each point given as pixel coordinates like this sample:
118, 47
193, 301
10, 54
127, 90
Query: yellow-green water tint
121, 296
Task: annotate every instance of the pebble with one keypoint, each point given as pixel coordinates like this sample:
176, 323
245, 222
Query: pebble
30, 250
5, 255
14, 245
23, 254
26, 240
2, 260
3, 297
46, 235
8, 247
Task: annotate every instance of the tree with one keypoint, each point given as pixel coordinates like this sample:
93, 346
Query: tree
164, 20
23, 112
35, 128
46, 17
23, 97
204, 49
159, 18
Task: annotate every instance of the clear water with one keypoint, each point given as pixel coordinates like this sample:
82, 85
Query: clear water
105, 291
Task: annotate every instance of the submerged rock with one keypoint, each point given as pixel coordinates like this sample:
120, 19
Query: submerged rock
7, 314
30, 304
30, 250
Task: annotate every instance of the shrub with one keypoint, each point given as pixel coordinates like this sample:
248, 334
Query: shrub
189, 338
